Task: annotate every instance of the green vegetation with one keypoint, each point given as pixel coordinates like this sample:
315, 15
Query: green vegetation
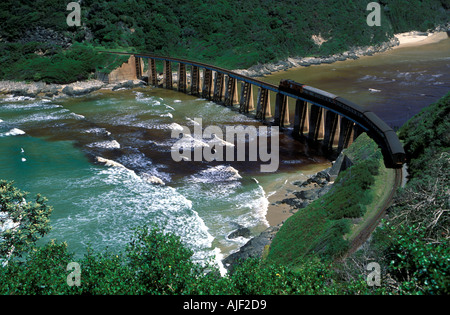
319, 229
36, 61
154, 262
412, 246
230, 34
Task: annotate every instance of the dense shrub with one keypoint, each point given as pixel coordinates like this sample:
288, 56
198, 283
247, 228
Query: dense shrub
231, 34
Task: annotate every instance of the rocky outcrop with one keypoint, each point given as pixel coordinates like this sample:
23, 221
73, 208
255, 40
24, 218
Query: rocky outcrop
310, 190
354, 53
46, 35
253, 248
40, 89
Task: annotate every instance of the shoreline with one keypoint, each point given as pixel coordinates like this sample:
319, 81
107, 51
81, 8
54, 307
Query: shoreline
401, 40
79, 88
53, 91
297, 193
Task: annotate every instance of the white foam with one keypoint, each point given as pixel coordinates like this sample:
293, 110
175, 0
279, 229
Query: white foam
214, 174
152, 179
166, 115
187, 141
13, 132
113, 144
192, 121
11, 98
175, 126
218, 141
78, 116
110, 163
97, 131
177, 101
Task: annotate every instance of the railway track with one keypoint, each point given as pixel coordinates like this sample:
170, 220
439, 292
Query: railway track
364, 235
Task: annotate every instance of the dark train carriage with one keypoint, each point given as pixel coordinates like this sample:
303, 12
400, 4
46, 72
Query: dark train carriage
377, 129
395, 148
376, 122
351, 107
291, 87
319, 94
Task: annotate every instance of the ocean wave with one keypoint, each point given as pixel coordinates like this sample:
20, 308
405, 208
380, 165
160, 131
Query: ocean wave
166, 115
98, 131
113, 144
175, 126
214, 174
12, 132
108, 162
113, 201
40, 105
20, 98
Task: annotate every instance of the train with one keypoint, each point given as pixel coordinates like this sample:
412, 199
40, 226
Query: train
386, 138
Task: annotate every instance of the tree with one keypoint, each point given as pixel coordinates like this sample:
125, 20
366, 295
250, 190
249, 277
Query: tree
22, 223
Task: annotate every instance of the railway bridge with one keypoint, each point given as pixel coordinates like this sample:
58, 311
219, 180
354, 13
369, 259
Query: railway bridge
322, 119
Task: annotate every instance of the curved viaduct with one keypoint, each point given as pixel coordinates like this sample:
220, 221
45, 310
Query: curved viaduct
321, 118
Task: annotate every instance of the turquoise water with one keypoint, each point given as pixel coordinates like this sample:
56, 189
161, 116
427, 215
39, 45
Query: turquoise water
52, 147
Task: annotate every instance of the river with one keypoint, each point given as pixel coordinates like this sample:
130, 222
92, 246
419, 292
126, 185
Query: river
52, 146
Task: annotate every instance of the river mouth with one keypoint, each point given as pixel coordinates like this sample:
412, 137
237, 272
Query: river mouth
52, 147
395, 84
104, 162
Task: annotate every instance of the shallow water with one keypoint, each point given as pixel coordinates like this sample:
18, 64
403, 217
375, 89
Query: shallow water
51, 147
395, 84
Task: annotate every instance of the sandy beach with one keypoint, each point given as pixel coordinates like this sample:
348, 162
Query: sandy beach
279, 190
413, 39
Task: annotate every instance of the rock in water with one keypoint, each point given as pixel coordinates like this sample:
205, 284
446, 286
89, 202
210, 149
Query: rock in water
240, 232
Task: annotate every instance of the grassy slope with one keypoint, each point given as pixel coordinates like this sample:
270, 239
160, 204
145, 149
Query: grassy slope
325, 226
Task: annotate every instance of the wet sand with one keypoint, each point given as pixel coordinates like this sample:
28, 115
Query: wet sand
281, 187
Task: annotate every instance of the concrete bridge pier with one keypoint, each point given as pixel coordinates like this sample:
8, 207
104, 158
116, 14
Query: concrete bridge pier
219, 87
139, 66
316, 124
246, 101
346, 134
301, 122
167, 74
263, 111
281, 110
195, 80
331, 125
182, 78
152, 75
231, 92
207, 84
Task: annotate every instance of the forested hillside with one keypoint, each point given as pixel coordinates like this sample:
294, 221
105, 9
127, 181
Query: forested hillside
231, 34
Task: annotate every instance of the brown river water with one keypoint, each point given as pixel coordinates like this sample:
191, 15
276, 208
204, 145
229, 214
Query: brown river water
395, 84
